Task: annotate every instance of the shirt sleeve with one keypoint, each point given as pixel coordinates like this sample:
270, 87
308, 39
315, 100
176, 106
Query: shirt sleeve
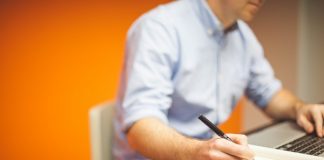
262, 84
148, 70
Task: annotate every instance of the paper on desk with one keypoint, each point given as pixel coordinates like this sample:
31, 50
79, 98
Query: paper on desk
264, 153
261, 158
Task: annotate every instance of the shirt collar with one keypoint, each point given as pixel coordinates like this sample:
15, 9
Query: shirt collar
210, 21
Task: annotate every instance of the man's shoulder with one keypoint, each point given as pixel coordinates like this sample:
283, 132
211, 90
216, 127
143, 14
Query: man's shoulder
167, 13
171, 9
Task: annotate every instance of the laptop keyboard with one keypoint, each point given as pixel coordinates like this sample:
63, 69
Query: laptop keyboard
308, 144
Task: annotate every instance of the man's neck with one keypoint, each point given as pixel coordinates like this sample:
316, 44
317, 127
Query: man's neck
222, 13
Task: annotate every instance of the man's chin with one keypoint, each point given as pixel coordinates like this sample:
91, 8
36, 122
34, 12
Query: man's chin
247, 17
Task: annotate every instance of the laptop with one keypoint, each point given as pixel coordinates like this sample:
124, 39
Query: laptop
287, 136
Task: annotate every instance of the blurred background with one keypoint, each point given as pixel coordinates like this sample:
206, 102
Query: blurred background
58, 58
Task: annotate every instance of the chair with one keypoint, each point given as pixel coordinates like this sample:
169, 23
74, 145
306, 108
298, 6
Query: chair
101, 131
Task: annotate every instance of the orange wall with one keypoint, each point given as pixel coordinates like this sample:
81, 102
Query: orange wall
56, 60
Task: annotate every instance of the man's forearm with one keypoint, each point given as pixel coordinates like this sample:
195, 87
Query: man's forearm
283, 105
155, 140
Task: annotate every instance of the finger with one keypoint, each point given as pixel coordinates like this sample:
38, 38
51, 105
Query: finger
216, 155
239, 139
317, 117
305, 123
233, 149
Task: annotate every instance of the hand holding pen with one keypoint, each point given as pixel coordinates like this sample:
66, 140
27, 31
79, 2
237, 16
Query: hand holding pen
225, 147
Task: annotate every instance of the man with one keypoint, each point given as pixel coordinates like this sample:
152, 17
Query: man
194, 57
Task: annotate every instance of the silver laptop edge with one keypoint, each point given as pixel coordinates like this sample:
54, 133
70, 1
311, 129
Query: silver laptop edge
277, 135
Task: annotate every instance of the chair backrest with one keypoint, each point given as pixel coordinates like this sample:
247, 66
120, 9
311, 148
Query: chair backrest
101, 131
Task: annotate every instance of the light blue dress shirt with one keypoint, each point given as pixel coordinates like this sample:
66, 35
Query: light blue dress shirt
180, 63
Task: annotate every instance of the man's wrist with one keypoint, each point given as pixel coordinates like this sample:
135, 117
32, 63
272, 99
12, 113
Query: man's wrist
296, 107
192, 150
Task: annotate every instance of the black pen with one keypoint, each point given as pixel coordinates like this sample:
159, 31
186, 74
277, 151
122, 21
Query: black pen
219, 132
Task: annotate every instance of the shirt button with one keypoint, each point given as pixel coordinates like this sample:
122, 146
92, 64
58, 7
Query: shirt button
210, 31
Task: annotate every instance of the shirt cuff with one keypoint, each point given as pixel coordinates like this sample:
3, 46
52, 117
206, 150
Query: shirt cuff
268, 94
145, 111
